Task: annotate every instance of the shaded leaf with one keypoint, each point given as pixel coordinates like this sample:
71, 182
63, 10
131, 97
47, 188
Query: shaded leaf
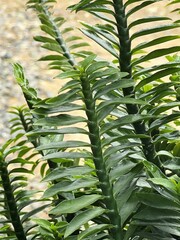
68, 186
82, 219
74, 205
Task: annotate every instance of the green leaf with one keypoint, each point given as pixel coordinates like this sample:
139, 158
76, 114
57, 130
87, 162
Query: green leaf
74, 205
52, 58
164, 153
52, 47
163, 182
103, 43
68, 155
59, 120
162, 121
68, 186
82, 219
160, 203
69, 74
156, 76
121, 83
63, 144
48, 30
144, 71
129, 119
96, 66
173, 164
64, 172
129, 207
21, 170
43, 223
44, 39
153, 30
93, 230
170, 229
61, 108
122, 168
154, 42
150, 214
33, 212
147, 20
78, 45
106, 72
156, 54
61, 99
118, 138
118, 101
137, 7
87, 61
69, 130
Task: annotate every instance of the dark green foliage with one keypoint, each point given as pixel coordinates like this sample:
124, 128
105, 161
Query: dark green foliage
118, 179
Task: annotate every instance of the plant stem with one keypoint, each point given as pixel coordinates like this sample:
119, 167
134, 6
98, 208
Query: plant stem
96, 148
11, 202
59, 39
125, 66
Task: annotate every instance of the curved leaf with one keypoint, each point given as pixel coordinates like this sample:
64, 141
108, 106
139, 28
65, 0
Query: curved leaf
82, 219
67, 186
74, 205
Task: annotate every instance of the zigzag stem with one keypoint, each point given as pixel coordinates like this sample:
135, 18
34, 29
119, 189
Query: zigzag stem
96, 148
10, 200
125, 66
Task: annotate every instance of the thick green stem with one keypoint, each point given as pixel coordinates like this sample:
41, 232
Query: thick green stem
125, 66
10, 200
96, 148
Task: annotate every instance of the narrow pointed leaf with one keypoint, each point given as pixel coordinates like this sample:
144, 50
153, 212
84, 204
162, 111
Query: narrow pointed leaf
60, 145
64, 172
82, 219
93, 230
60, 120
155, 42
157, 76
160, 203
124, 121
74, 205
68, 155
103, 43
153, 30
69, 130
67, 186
156, 54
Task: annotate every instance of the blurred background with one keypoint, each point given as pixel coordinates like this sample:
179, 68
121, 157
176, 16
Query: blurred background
17, 28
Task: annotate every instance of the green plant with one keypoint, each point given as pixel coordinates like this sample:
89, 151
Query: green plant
121, 181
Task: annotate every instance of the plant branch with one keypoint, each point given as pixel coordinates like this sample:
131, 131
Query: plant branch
11, 202
59, 39
125, 66
96, 148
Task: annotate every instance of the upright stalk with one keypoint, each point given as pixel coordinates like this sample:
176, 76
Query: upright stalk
105, 185
59, 39
125, 66
10, 201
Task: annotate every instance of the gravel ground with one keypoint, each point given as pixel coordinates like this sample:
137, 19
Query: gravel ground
16, 45
18, 26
